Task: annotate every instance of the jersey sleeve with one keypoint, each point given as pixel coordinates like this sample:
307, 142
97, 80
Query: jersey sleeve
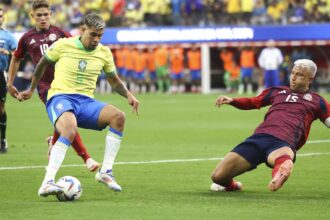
257, 102
20, 50
324, 113
54, 51
109, 66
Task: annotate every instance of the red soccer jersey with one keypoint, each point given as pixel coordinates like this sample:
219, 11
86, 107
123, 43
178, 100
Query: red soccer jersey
291, 114
35, 44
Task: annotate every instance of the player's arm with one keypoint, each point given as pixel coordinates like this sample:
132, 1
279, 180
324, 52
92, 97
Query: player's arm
13, 68
38, 73
246, 103
121, 89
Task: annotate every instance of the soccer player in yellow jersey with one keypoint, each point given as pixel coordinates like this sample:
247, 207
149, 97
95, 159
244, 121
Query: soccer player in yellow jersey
70, 103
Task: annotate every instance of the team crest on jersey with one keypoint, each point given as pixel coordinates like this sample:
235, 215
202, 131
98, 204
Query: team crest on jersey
52, 37
82, 65
308, 97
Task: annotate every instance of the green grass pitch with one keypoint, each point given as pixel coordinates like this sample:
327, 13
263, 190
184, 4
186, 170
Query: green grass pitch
170, 131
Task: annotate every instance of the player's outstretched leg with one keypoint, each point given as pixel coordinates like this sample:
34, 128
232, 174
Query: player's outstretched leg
112, 145
48, 187
281, 172
80, 149
233, 186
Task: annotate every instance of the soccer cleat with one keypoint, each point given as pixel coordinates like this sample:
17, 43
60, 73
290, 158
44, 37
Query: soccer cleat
3, 146
108, 179
281, 176
49, 188
49, 141
92, 165
237, 186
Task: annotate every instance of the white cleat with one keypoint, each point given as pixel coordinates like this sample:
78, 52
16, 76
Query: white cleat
92, 165
49, 188
218, 188
109, 180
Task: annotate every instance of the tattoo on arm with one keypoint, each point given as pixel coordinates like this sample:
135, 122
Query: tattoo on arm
39, 71
121, 89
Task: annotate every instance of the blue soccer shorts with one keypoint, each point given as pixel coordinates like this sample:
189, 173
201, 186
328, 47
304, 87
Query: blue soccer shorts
86, 109
195, 74
256, 148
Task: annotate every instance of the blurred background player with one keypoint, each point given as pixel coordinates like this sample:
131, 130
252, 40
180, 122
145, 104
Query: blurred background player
194, 66
71, 103
151, 69
140, 66
177, 69
283, 132
8, 43
162, 60
247, 62
270, 60
35, 42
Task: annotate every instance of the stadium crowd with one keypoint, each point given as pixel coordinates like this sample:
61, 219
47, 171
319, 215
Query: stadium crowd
142, 13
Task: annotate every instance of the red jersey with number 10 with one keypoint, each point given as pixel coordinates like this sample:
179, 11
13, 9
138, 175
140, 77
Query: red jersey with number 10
35, 43
291, 114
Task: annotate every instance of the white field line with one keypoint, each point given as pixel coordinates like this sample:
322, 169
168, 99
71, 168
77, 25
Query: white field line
167, 161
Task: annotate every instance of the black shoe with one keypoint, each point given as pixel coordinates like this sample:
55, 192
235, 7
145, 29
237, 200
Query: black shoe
3, 147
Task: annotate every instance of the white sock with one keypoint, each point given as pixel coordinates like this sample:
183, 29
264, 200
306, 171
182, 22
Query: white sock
55, 160
112, 145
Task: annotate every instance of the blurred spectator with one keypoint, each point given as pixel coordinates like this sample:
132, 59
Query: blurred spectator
259, 14
177, 69
194, 66
269, 60
151, 69
247, 10
247, 61
161, 60
140, 66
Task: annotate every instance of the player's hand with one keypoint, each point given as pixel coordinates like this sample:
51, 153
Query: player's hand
134, 103
25, 95
223, 100
13, 91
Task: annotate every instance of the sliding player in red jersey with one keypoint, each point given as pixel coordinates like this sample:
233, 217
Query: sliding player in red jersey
35, 42
284, 130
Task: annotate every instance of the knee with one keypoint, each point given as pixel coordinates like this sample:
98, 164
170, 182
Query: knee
119, 119
69, 132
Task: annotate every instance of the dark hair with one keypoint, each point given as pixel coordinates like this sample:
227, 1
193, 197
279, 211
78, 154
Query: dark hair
40, 4
94, 20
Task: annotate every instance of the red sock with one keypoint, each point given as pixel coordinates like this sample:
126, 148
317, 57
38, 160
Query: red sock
80, 148
231, 186
278, 162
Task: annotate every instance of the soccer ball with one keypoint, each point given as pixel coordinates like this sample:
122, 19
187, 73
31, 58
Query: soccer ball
71, 188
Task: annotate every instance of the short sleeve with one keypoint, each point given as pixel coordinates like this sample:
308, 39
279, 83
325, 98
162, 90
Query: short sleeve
12, 43
54, 51
324, 113
109, 67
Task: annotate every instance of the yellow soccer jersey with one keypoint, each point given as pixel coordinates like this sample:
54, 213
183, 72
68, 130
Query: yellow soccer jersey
77, 69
